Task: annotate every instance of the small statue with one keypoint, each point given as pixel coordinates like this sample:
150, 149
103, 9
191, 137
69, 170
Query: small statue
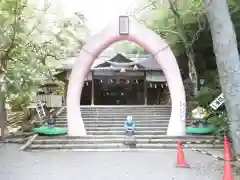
51, 119
129, 125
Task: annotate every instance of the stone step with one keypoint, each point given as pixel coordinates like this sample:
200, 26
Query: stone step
105, 129
120, 115
112, 140
110, 125
121, 128
120, 145
137, 129
126, 110
99, 122
116, 125
119, 123
120, 118
187, 137
112, 132
123, 112
125, 107
139, 121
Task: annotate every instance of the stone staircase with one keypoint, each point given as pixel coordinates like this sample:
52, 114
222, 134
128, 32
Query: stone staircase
105, 131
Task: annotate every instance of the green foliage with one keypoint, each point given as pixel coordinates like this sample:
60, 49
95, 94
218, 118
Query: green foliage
165, 23
210, 90
206, 95
221, 122
31, 44
191, 105
211, 80
19, 102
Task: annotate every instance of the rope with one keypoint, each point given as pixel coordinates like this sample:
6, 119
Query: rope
185, 144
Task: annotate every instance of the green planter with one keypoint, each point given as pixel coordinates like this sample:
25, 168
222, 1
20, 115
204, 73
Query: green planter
50, 131
203, 130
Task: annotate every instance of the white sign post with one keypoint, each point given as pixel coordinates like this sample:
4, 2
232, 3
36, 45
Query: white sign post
123, 25
217, 102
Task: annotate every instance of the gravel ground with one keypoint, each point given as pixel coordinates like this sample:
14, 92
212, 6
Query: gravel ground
157, 165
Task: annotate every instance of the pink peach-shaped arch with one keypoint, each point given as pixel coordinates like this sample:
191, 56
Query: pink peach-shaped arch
147, 39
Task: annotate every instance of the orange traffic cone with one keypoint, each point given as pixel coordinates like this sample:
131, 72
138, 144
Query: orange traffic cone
227, 157
180, 157
227, 149
228, 171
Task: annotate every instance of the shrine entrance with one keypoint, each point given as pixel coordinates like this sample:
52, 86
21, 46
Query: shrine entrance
125, 28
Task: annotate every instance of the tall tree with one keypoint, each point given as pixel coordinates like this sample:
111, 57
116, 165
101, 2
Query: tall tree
228, 62
29, 41
180, 23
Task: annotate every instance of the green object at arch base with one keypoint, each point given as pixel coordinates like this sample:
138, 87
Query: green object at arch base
205, 130
50, 131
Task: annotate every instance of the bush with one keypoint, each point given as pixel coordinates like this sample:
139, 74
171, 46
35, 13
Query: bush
220, 120
206, 95
19, 102
191, 105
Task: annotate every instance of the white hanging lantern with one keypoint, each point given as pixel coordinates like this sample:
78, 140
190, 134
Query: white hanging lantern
123, 70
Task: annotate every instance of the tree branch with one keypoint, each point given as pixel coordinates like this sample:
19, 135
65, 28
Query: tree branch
39, 21
4, 56
200, 29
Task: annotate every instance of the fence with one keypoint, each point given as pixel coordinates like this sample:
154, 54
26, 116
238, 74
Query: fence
51, 100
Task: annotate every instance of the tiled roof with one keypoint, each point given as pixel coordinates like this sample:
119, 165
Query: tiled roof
146, 61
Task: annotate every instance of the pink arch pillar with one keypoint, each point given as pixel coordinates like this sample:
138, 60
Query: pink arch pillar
152, 43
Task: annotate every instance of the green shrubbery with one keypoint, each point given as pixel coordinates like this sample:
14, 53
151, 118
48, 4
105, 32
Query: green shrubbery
209, 91
206, 95
221, 122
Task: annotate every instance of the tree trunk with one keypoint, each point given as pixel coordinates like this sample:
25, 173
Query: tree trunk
188, 47
3, 115
227, 57
192, 69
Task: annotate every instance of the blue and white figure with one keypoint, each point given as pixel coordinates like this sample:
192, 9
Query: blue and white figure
129, 125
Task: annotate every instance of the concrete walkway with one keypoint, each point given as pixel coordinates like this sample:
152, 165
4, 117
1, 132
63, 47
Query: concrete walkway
15, 165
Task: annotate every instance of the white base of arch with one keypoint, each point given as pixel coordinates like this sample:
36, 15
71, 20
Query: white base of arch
152, 43
176, 126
